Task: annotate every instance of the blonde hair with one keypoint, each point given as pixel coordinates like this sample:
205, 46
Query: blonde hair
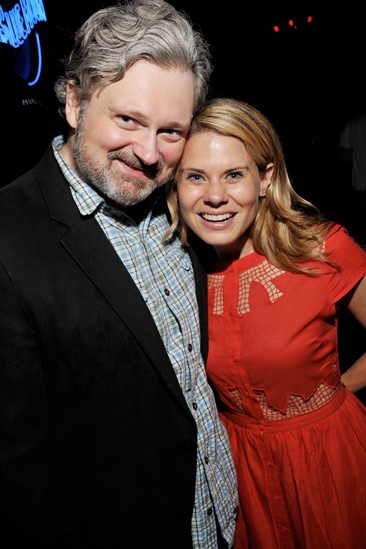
288, 229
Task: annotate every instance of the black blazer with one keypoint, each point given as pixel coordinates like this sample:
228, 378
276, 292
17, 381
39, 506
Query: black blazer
97, 444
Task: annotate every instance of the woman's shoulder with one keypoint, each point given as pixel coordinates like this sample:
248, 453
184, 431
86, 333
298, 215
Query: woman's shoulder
344, 250
339, 235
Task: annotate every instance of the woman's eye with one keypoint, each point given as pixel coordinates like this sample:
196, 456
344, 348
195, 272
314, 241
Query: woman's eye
192, 177
234, 175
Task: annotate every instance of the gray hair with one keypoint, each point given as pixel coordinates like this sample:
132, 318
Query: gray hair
112, 39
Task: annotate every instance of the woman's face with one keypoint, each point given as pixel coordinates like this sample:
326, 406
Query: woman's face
218, 191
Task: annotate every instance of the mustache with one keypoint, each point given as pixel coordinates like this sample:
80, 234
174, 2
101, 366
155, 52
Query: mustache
134, 162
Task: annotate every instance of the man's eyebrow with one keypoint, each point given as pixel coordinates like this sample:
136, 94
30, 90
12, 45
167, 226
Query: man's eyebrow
132, 113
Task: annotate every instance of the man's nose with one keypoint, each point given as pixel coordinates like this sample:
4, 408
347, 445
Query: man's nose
145, 147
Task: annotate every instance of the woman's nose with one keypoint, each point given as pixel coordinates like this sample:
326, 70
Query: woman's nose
215, 192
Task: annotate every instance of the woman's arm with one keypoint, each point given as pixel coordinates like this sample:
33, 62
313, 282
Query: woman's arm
355, 377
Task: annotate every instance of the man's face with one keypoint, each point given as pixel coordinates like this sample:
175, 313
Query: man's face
130, 136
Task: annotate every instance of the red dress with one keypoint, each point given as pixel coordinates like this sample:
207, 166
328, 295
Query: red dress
298, 436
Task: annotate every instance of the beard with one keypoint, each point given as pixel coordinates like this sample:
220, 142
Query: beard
118, 187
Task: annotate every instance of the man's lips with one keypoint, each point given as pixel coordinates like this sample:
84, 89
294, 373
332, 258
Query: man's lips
138, 171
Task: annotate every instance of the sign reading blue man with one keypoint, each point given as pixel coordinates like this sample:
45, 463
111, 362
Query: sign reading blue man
17, 22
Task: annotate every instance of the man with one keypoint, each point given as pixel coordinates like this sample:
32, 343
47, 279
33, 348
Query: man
109, 432
352, 143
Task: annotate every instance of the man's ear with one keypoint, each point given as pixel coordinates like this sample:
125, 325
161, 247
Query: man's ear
72, 105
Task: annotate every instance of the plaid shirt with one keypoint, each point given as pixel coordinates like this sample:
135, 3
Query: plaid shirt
164, 276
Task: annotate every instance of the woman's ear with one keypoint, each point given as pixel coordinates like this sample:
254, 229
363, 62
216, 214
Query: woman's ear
266, 179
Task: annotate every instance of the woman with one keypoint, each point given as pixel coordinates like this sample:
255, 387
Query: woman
278, 272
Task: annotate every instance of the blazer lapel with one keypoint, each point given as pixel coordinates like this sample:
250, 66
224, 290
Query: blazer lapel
87, 244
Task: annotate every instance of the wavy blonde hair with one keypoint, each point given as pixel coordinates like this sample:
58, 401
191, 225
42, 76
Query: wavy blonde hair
288, 229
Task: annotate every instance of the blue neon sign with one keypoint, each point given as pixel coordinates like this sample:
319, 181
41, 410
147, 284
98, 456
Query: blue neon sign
16, 26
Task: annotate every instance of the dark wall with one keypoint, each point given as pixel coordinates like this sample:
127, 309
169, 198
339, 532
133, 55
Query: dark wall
307, 81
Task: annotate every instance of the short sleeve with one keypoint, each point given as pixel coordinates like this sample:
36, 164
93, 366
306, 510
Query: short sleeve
351, 259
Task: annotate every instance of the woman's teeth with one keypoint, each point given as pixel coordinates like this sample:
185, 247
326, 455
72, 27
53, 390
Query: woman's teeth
219, 217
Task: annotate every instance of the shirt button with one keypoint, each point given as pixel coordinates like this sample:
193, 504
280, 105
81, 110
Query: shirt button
194, 406
190, 347
166, 291
209, 511
206, 460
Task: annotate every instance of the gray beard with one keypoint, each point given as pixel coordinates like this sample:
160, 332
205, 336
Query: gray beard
127, 191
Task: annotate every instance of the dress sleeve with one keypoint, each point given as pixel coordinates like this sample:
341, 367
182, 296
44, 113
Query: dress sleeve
350, 257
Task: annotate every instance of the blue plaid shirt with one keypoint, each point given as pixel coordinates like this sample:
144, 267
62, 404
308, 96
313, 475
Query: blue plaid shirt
164, 276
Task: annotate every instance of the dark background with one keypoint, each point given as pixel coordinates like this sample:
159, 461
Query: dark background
308, 79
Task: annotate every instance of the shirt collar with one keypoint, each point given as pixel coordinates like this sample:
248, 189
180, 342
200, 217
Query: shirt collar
86, 198
89, 201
